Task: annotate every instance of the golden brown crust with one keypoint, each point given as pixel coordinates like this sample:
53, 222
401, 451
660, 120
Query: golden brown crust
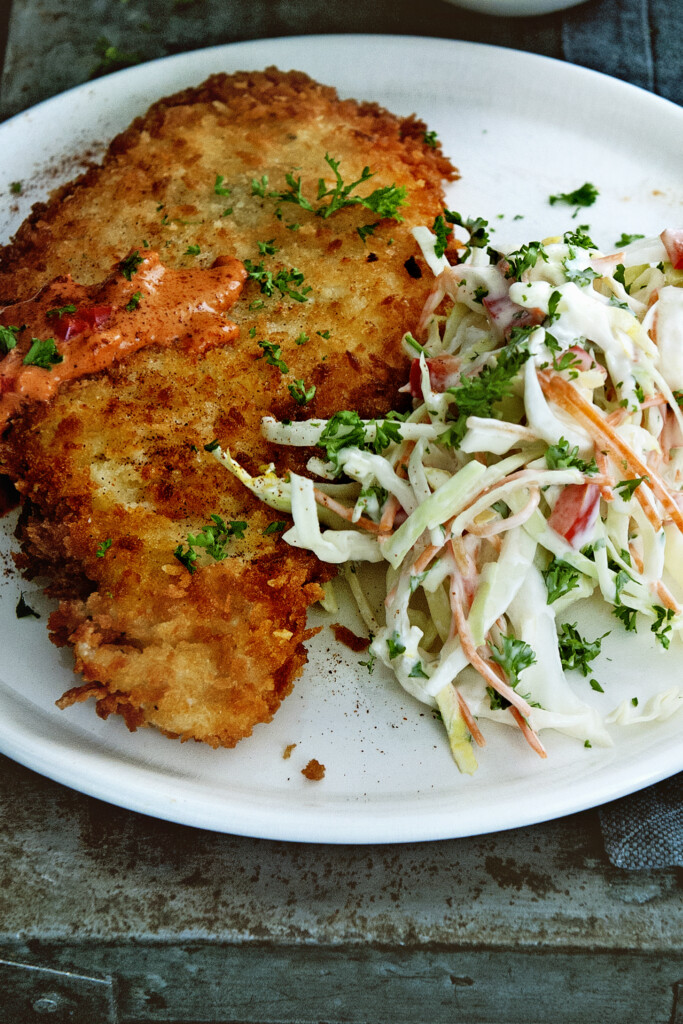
120, 455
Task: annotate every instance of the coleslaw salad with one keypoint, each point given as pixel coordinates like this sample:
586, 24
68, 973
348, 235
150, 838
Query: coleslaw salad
542, 463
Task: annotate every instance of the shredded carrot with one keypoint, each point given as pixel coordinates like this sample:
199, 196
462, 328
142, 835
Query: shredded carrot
568, 398
665, 596
528, 733
345, 513
470, 721
484, 669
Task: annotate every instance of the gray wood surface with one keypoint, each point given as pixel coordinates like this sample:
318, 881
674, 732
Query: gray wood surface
55, 44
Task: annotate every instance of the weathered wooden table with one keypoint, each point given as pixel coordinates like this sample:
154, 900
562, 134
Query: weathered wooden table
106, 915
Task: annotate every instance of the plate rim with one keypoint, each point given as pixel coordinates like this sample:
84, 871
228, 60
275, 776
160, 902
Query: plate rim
332, 831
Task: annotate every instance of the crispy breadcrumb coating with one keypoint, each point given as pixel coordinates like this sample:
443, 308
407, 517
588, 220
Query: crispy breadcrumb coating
119, 456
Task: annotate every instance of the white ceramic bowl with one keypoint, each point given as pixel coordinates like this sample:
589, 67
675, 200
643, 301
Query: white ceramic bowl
516, 8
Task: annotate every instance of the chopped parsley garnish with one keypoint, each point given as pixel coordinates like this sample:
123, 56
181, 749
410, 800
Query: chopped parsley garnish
192, 250
619, 276
366, 230
579, 238
267, 248
480, 293
395, 646
583, 196
575, 651
513, 657
661, 627
626, 240
271, 351
8, 338
443, 233
383, 201
347, 430
259, 188
567, 361
43, 353
560, 578
627, 487
213, 538
417, 672
277, 527
104, 547
627, 617
130, 264
283, 281
323, 334
431, 139
524, 259
561, 456
212, 446
595, 685
15, 188
634, 702
218, 186
24, 610
133, 302
61, 310
477, 396
370, 663
614, 301
479, 236
302, 339
300, 393
580, 277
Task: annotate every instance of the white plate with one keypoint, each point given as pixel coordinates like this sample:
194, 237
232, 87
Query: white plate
520, 127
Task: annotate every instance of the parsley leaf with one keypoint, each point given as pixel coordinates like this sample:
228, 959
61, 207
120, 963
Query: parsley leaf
627, 487
524, 259
661, 627
443, 233
417, 672
299, 392
61, 310
560, 578
626, 240
431, 139
133, 302
395, 646
213, 538
267, 248
513, 657
346, 430
277, 527
192, 250
477, 396
579, 238
8, 338
575, 651
15, 188
560, 456
383, 201
366, 230
130, 264
218, 186
43, 353
104, 547
579, 277
583, 196
271, 351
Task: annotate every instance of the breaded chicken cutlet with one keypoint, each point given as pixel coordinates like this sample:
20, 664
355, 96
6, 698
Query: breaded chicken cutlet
203, 639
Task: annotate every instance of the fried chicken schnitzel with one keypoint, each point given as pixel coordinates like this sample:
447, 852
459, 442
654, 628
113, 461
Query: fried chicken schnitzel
269, 168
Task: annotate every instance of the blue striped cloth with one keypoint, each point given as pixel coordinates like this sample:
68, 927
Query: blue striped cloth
645, 830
